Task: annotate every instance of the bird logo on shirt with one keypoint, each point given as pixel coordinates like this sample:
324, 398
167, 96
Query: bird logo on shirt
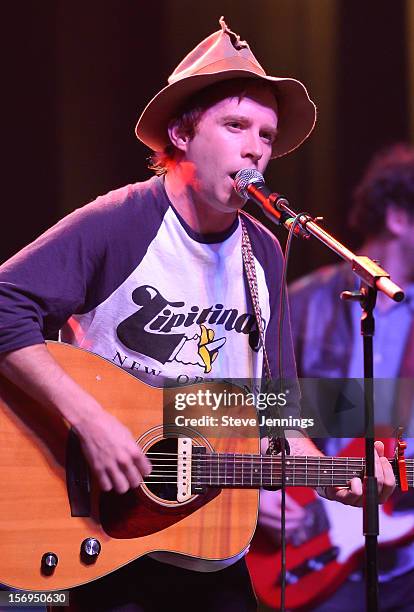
208, 348
201, 349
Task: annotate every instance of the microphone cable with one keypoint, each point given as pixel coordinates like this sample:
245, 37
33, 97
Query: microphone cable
283, 297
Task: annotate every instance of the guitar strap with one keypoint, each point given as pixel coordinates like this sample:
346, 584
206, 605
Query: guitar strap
275, 445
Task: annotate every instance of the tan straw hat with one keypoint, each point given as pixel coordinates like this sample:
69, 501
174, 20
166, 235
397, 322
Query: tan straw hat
220, 57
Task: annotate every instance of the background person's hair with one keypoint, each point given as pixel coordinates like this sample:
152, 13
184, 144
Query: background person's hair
388, 180
189, 115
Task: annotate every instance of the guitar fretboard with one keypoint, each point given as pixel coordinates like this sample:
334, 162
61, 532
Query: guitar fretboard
255, 471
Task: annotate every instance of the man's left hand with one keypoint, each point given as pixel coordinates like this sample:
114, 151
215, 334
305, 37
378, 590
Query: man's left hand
352, 495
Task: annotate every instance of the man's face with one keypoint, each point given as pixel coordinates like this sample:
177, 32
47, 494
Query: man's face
231, 135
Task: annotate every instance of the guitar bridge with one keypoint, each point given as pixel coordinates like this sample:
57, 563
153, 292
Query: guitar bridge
184, 448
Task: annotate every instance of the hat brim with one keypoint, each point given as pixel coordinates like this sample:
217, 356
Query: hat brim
296, 112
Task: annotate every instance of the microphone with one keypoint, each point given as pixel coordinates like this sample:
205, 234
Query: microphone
250, 184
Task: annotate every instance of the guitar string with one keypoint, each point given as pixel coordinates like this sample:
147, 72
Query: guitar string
268, 464
258, 484
269, 469
299, 468
235, 473
267, 476
297, 459
254, 485
258, 457
336, 473
264, 458
269, 472
272, 458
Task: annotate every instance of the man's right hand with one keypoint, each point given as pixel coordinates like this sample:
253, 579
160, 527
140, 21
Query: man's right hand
112, 453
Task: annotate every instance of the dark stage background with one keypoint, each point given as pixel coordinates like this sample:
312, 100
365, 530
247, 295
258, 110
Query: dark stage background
77, 74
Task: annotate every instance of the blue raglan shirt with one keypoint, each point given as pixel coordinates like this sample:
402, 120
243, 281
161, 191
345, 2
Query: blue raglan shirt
126, 278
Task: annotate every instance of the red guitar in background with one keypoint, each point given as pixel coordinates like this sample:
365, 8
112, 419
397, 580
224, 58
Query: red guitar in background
325, 549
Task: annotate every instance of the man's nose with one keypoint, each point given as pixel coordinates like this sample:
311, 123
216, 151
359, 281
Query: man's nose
252, 147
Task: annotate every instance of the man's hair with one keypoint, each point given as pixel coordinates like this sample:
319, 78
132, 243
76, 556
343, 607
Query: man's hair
189, 115
387, 181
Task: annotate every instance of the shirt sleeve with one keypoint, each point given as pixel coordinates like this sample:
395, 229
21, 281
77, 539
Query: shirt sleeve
46, 282
69, 269
78, 263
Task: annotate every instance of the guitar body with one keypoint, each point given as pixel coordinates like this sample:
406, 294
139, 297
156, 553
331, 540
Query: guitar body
35, 515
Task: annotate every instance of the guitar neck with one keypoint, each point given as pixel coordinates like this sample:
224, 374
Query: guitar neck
255, 471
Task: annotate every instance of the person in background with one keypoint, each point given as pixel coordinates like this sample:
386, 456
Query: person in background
327, 341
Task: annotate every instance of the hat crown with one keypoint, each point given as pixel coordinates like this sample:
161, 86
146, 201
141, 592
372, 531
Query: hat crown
222, 45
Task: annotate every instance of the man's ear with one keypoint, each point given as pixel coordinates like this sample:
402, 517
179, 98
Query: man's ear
178, 136
396, 220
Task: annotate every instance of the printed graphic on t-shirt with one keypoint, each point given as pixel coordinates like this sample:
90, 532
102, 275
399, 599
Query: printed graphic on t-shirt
152, 329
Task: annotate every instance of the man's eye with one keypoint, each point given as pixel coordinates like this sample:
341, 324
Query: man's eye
234, 124
268, 136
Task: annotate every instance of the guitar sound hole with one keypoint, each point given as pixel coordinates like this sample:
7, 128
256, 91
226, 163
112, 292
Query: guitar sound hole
163, 479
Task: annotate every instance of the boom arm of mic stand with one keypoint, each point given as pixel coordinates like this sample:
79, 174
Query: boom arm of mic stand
364, 267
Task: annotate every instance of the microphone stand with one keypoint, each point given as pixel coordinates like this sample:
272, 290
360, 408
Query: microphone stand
367, 297
373, 279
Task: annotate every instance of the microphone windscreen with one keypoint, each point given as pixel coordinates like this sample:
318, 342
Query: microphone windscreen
244, 178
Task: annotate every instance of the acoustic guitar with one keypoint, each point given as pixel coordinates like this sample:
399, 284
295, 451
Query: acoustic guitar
58, 530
